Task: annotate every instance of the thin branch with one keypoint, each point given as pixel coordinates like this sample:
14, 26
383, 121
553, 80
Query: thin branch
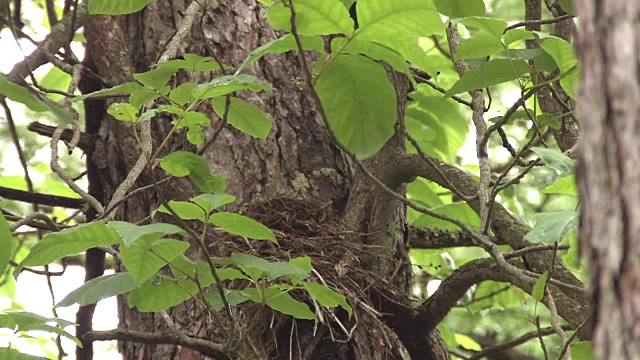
538, 22
206, 347
489, 351
435, 238
477, 102
41, 199
55, 167
145, 133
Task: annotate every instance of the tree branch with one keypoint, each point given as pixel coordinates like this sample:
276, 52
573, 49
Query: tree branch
434, 238
204, 346
41, 199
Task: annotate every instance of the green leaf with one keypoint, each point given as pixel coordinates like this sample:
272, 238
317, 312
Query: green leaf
125, 88
556, 160
273, 270
448, 336
182, 94
327, 297
567, 6
313, 17
303, 263
458, 210
460, 8
467, 342
385, 21
123, 112
192, 62
495, 27
360, 103
283, 302
130, 233
13, 354
479, 46
244, 117
582, 349
163, 292
538, 288
142, 97
23, 321
182, 163
116, 7
492, 294
242, 226
185, 210
19, 94
210, 202
517, 34
54, 246
99, 288
156, 78
564, 55
229, 83
372, 50
193, 119
6, 244
565, 185
492, 72
234, 297
282, 45
553, 226
144, 258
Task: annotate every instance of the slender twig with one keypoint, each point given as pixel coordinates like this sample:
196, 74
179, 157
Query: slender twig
542, 345
55, 167
538, 22
477, 102
421, 79
486, 352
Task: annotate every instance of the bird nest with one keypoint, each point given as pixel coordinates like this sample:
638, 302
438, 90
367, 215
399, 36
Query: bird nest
310, 228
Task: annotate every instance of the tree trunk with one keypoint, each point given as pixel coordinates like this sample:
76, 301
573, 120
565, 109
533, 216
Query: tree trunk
608, 176
296, 172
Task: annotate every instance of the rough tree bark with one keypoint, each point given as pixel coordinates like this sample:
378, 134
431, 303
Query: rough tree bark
297, 160
608, 179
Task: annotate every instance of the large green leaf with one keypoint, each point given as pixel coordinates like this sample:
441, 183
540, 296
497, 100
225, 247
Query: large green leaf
99, 288
494, 27
130, 233
384, 20
564, 55
313, 17
273, 269
241, 225
19, 94
479, 46
283, 45
244, 117
54, 246
185, 210
556, 160
229, 83
6, 244
156, 78
458, 210
125, 88
372, 50
116, 7
327, 297
565, 185
13, 354
210, 202
163, 292
182, 163
360, 103
460, 8
144, 258
553, 226
492, 72
233, 297
277, 298
22, 321
538, 289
